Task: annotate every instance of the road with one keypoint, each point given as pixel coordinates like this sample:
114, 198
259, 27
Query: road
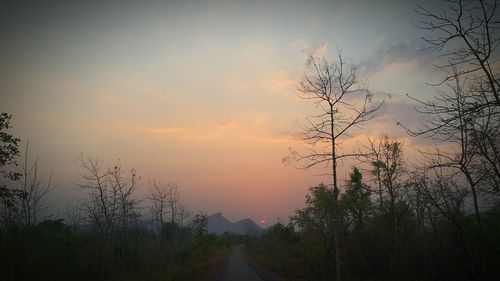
237, 268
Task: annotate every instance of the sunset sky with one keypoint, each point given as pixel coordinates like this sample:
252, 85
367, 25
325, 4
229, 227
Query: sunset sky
202, 93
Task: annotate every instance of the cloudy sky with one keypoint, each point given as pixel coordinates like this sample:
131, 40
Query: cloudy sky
202, 93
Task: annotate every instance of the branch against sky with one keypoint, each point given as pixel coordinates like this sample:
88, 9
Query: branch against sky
465, 110
342, 102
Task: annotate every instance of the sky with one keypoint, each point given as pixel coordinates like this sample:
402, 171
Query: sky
201, 93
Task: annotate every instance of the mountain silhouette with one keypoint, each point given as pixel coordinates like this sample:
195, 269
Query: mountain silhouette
218, 224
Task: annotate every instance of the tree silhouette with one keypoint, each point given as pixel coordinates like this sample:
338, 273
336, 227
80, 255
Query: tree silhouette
466, 108
343, 104
35, 189
8, 152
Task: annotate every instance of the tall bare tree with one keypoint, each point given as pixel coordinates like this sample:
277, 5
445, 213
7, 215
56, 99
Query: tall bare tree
388, 168
343, 104
35, 189
455, 128
124, 187
466, 35
465, 112
464, 116
101, 203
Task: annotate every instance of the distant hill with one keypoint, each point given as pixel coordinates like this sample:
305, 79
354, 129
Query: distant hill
218, 224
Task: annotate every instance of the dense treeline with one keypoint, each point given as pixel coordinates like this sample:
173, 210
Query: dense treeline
109, 235
437, 218
51, 250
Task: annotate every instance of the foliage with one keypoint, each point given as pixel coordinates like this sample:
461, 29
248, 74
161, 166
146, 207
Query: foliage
356, 200
8, 152
107, 241
429, 249
52, 250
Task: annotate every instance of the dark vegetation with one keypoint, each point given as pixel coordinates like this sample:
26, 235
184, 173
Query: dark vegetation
419, 239
108, 236
51, 250
437, 218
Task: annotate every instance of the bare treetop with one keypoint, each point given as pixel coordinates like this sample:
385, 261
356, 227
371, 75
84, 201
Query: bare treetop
343, 103
468, 36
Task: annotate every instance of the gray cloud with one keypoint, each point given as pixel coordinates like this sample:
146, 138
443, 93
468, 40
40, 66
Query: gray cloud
398, 113
396, 52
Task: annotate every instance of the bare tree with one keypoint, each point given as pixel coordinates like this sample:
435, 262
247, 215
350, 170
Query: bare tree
158, 198
343, 104
110, 195
466, 34
102, 200
464, 116
164, 199
73, 217
173, 201
443, 197
464, 150
35, 189
183, 215
386, 159
466, 108
124, 187
469, 135
388, 168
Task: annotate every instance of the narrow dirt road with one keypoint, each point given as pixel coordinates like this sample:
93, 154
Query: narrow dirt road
238, 269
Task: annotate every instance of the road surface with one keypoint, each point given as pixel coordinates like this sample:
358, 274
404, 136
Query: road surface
237, 268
